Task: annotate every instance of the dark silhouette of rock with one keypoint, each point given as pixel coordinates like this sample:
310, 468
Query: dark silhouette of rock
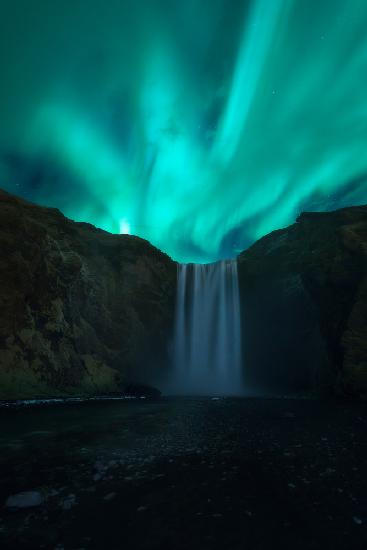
82, 311
304, 304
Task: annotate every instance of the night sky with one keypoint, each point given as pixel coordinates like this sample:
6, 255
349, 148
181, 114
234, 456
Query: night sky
199, 125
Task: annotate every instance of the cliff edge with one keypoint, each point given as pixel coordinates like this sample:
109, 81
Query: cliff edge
304, 301
81, 310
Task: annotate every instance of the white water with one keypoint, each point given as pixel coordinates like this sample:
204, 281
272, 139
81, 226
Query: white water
207, 342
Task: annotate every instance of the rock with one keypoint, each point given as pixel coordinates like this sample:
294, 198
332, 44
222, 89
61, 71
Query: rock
80, 309
110, 496
304, 296
68, 502
97, 477
26, 499
100, 467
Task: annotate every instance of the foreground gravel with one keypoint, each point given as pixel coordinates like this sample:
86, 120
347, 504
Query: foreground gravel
185, 474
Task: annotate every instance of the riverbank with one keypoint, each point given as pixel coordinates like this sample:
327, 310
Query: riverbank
186, 473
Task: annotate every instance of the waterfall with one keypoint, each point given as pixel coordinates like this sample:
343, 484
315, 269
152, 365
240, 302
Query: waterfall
207, 341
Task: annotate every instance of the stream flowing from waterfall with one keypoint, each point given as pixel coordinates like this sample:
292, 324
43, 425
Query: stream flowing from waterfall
207, 341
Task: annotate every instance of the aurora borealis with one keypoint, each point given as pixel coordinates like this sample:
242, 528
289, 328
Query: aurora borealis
199, 125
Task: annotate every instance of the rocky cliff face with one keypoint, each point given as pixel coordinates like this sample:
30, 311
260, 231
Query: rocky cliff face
304, 304
81, 310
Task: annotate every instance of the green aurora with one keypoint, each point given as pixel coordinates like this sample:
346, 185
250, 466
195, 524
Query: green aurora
198, 125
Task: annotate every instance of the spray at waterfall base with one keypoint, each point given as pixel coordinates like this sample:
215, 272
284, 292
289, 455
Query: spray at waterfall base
207, 358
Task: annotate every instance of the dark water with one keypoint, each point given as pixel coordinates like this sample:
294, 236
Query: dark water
187, 473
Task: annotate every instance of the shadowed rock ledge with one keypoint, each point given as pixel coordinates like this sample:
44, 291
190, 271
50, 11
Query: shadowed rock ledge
304, 304
81, 310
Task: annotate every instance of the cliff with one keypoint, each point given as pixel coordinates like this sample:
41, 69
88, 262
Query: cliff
81, 310
304, 303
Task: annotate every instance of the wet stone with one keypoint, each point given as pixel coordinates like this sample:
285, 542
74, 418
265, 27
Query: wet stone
26, 499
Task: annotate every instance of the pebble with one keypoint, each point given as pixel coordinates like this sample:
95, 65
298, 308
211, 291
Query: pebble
110, 496
68, 502
357, 520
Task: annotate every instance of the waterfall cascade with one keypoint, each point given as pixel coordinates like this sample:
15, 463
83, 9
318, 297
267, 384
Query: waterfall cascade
207, 342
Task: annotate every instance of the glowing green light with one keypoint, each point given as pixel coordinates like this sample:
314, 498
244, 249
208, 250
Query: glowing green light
124, 227
198, 127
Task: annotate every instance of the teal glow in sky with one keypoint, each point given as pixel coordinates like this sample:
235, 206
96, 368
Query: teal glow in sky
199, 125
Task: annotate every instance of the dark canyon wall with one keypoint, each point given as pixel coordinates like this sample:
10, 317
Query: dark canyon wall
81, 310
304, 305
